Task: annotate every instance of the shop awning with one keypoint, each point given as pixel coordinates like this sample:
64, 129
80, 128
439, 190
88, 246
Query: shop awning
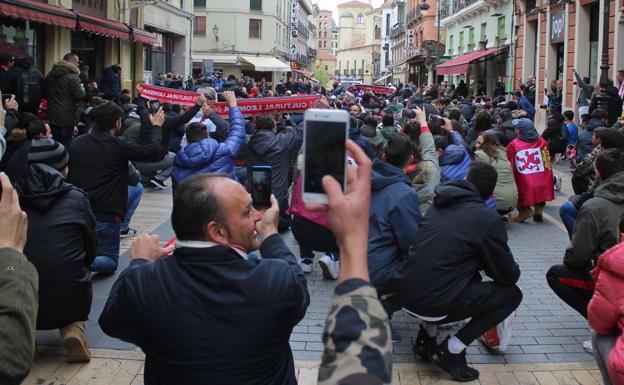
100, 26
461, 64
143, 36
38, 12
381, 79
266, 63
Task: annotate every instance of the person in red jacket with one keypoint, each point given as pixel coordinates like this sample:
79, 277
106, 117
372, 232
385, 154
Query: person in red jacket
529, 155
606, 312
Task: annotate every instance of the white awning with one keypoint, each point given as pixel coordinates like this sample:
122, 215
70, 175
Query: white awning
216, 57
381, 79
266, 63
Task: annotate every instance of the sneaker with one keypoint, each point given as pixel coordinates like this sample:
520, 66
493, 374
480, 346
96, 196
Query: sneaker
589, 348
329, 267
160, 184
453, 364
558, 181
306, 265
128, 233
75, 341
424, 345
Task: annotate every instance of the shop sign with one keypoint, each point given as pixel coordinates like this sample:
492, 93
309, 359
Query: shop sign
557, 27
91, 7
159, 41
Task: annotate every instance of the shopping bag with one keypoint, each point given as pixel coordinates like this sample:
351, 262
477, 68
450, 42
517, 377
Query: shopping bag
498, 337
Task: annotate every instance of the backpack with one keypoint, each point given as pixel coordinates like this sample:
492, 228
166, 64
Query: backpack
565, 134
29, 88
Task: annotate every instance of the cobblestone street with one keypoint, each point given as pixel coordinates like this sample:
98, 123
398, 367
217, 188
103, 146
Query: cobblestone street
546, 334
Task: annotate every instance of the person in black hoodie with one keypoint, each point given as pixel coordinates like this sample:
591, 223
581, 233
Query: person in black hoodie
98, 164
278, 149
61, 244
440, 281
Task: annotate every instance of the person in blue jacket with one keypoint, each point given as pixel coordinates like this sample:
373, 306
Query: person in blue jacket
525, 104
453, 158
204, 154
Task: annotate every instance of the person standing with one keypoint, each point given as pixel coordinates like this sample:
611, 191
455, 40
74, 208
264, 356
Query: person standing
66, 95
111, 82
26, 83
530, 159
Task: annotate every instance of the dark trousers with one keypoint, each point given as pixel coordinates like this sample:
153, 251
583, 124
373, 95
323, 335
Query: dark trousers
311, 236
574, 287
63, 135
487, 304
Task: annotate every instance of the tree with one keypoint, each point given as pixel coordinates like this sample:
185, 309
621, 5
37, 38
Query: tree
321, 75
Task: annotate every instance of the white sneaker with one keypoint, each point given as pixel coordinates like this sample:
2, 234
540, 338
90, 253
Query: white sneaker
587, 345
558, 181
306, 265
330, 268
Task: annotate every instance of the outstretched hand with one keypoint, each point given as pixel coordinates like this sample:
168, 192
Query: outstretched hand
158, 119
13, 220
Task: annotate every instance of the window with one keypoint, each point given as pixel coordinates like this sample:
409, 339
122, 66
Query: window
324, 43
255, 5
483, 35
320, 34
255, 28
461, 41
326, 67
320, 44
199, 28
199, 3
451, 44
388, 24
325, 34
360, 19
320, 25
501, 27
471, 37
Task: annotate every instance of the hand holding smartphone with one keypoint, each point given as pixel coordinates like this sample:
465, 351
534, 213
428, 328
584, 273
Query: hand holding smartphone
324, 150
259, 177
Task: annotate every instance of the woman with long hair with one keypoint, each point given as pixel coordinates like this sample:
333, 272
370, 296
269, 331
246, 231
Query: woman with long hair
491, 151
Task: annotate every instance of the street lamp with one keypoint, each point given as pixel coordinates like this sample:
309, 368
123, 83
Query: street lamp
215, 30
603, 97
424, 6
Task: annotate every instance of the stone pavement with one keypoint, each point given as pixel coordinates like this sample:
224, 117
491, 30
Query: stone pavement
547, 334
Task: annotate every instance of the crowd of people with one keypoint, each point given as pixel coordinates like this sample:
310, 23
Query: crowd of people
436, 176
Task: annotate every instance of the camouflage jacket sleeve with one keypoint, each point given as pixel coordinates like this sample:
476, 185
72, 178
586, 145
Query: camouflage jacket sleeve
358, 347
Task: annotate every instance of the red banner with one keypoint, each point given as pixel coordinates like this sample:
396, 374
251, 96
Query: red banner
379, 90
263, 106
168, 95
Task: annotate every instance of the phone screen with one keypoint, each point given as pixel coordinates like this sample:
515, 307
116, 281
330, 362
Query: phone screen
324, 154
261, 186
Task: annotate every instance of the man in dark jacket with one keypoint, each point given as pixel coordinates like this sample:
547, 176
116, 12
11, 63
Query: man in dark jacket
61, 244
98, 164
278, 149
585, 143
614, 109
111, 82
26, 83
394, 212
204, 154
524, 104
595, 231
154, 303
66, 95
440, 282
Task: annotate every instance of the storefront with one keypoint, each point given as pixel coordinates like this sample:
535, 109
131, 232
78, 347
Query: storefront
480, 70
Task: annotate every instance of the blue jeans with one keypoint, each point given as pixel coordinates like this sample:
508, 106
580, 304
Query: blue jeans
568, 213
134, 197
107, 249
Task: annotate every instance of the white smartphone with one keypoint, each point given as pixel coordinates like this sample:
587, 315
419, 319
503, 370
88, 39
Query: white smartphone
325, 135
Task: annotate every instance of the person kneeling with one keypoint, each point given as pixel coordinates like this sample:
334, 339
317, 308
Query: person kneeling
440, 282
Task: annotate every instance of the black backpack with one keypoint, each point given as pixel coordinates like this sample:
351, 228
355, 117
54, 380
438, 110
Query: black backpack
565, 135
29, 88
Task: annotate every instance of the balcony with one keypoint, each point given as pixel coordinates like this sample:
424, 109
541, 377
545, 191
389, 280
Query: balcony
311, 52
450, 8
397, 30
530, 5
302, 29
413, 15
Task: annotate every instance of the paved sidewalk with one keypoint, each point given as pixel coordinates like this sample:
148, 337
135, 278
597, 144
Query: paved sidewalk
545, 347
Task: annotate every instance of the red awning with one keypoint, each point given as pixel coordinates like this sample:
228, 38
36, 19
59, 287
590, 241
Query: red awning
461, 64
100, 26
38, 12
143, 36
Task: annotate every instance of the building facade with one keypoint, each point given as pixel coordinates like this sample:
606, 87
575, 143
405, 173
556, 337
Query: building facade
172, 22
101, 32
359, 41
243, 37
326, 42
422, 38
386, 43
480, 25
554, 39
398, 38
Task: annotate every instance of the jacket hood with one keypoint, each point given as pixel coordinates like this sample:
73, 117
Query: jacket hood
197, 154
612, 188
388, 131
263, 142
453, 154
62, 68
41, 187
454, 192
611, 260
385, 174
354, 133
127, 107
